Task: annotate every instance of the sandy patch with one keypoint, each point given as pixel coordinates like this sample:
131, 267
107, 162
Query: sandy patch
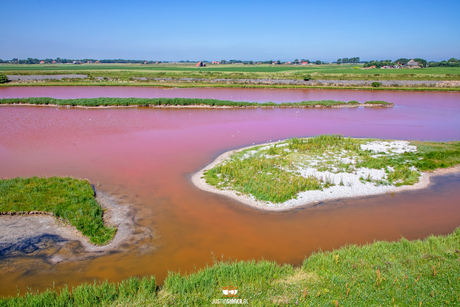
310, 198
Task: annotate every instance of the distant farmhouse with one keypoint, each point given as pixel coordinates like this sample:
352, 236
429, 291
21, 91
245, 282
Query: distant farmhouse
200, 64
215, 62
412, 64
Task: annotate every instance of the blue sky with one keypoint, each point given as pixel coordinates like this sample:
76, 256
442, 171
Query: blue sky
214, 30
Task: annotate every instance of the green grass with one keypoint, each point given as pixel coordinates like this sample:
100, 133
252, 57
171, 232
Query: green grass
292, 72
404, 273
271, 173
96, 294
173, 84
67, 198
93, 102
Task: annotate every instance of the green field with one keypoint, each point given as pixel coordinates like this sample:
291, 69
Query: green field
238, 71
67, 198
404, 273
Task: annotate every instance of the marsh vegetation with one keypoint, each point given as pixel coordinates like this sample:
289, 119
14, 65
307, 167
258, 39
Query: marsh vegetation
279, 172
69, 199
146, 102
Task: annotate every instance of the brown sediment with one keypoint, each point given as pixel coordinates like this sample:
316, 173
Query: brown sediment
199, 181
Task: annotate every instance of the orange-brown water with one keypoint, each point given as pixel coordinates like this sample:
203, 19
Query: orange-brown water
150, 154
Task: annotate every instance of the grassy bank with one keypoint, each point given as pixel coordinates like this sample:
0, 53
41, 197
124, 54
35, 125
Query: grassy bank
67, 198
226, 85
404, 273
278, 173
289, 72
95, 102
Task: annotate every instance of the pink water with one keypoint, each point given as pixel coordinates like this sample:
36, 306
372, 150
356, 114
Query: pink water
150, 154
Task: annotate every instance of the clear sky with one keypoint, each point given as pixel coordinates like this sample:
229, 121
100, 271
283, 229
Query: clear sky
245, 30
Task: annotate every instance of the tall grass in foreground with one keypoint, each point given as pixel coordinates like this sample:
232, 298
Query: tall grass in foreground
404, 273
96, 294
68, 198
103, 101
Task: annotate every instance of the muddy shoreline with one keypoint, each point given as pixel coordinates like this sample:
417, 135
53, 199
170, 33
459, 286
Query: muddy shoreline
19, 228
199, 181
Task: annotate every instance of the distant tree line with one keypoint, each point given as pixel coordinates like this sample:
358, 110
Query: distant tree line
401, 61
65, 61
452, 62
348, 60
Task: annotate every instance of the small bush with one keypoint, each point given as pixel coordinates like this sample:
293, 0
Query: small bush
376, 84
307, 78
3, 78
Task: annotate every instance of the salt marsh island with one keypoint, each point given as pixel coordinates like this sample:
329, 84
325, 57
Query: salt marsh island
305, 171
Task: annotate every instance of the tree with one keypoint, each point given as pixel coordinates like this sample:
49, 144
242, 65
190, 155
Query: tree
223, 62
422, 62
339, 61
318, 62
296, 61
403, 61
